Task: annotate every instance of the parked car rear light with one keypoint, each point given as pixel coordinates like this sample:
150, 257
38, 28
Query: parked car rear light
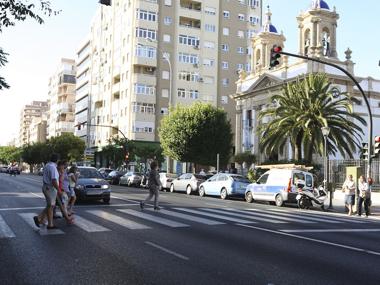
290, 185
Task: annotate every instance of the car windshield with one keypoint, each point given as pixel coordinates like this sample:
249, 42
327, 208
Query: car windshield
171, 175
136, 173
240, 179
89, 173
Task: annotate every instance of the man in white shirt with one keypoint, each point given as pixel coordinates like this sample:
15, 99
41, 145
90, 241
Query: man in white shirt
349, 188
364, 196
49, 189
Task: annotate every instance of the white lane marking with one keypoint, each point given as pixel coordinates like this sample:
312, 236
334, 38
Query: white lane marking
88, 226
331, 231
154, 219
43, 231
17, 209
303, 217
118, 220
281, 218
312, 239
167, 250
5, 230
37, 195
215, 205
124, 199
76, 206
190, 218
246, 215
216, 216
338, 217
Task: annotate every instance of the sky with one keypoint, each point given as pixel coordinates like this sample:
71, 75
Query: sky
35, 50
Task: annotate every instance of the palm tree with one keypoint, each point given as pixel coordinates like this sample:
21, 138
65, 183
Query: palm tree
299, 112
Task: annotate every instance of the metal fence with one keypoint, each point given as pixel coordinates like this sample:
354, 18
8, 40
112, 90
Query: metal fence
337, 170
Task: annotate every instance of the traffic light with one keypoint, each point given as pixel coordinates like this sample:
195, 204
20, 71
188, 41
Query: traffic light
127, 156
377, 146
364, 152
105, 2
275, 55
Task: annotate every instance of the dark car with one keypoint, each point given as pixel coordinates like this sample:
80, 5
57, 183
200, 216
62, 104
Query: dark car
14, 170
114, 176
91, 185
105, 171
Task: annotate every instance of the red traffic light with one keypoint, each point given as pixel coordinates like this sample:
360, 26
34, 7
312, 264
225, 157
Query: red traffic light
277, 49
377, 139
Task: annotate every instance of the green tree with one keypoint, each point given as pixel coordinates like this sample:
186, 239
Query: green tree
12, 11
299, 112
68, 146
9, 154
246, 157
36, 153
197, 134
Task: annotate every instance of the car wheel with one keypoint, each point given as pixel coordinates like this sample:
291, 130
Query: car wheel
129, 183
189, 190
279, 200
172, 188
202, 191
248, 197
106, 200
223, 193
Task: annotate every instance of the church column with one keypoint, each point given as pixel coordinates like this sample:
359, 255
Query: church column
239, 129
301, 41
333, 41
264, 54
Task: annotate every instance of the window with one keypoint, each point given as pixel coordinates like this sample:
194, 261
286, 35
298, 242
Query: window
210, 45
143, 89
251, 33
168, 2
225, 47
240, 66
146, 33
210, 11
208, 62
226, 31
242, 2
188, 58
181, 93
240, 34
146, 108
226, 14
263, 179
224, 64
188, 40
309, 180
146, 15
166, 38
188, 76
253, 3
224, 100
167, 21
210, 28
165, 75
193, 94
146, 51
254, 20
225, 81
165, 93
241, 17
240, 50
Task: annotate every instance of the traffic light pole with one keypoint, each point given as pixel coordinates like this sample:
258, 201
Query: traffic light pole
370, 125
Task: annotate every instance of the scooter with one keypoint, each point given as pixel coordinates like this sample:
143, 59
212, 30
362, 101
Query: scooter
307, 198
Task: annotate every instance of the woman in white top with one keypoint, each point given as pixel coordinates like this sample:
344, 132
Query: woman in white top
73, 177
364, 196
349, 188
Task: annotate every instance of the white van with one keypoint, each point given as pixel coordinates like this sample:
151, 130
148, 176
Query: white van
278, 186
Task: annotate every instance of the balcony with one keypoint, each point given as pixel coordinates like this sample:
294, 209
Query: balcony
65, 108
145, 61
189, 22
65, 127
191, 9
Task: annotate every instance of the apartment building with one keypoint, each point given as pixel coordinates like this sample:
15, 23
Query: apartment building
148, 55
61, 98
38, 129
34, 110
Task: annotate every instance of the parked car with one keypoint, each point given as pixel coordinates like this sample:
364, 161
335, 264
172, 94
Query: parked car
131, 178
14, 170
278, 186
144, 179
114, 176
40, 171
166, 179
224, 185
105, 171
91, 185
187, 182
4, 169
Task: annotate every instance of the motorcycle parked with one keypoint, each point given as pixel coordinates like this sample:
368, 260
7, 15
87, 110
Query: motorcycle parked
311, 198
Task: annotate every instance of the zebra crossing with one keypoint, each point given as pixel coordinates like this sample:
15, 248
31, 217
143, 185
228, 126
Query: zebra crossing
102, 220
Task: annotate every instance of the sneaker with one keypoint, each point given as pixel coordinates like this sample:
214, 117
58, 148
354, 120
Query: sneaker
157, 208
36, 221
141, 205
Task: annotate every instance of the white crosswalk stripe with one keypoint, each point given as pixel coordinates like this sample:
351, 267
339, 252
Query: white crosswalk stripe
189, 218
5, 230
301, 216
43, 231
153, 218
88, 226
118, 220
244, 215
295, 219
235, 220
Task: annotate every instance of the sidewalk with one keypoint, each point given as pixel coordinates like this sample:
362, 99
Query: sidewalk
338, 203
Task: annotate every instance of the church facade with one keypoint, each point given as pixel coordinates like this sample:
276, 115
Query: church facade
317, 38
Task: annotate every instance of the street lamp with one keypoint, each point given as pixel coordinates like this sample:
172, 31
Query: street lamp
326, 132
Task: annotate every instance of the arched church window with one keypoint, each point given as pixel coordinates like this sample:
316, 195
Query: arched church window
326, 42
307, 42
258, 57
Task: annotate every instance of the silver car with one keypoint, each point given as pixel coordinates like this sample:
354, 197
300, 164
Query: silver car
166, 179
131, 178
187, 182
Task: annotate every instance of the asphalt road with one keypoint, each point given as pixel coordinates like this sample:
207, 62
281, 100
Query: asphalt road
192, 240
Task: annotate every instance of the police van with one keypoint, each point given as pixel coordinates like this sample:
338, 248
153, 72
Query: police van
279, 184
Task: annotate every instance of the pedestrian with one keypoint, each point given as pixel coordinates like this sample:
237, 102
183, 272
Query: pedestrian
62, 198
364, 196
50, 187
349, 189
154, 185
73, 178
370, 182
202, 172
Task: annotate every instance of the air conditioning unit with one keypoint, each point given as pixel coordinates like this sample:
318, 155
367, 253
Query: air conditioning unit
196, 47
196, 65
200, 79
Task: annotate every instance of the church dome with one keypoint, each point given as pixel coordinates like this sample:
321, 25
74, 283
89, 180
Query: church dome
268, 27
319, 4
324, 5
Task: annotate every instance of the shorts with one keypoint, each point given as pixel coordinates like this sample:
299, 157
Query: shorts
64, 198
71, 192
50, 194
349, 199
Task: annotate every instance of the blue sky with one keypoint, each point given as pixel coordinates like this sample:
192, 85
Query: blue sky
35, 50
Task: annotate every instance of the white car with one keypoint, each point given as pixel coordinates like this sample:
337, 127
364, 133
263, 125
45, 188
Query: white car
278, 186
167, 179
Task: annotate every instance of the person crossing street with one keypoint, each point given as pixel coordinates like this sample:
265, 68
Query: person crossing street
154, 185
